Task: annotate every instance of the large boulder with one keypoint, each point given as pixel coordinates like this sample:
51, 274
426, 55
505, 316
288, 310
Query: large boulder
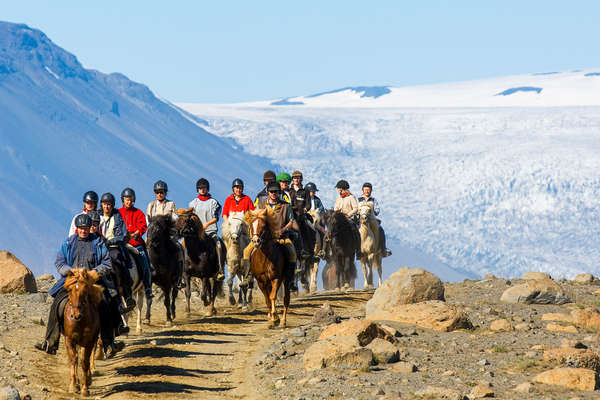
573, 378
363, 331
532, 275
572, 357
586, 318
341, 352
383, 351
536, 291
433, 314
15, 277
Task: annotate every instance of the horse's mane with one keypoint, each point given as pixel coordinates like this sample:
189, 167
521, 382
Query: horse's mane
85, 277
340, 224
189, 213
269, 216
226, 224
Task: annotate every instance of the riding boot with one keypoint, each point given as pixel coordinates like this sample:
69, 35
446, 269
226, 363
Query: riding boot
53, 327
146, 272
383, 248
291, 277
181, 262
221, 273
247, 273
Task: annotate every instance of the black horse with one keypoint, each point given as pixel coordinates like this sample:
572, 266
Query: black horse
166, 258
201, 259
341, 242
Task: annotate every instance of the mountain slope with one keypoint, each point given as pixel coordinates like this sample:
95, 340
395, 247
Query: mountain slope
65, 129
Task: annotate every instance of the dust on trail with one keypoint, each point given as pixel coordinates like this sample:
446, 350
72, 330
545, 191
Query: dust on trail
199, 357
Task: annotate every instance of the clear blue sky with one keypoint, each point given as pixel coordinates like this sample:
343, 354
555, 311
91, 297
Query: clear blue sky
225, 51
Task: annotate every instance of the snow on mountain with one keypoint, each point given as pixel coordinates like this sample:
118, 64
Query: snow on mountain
546, 89
498, 190
65, 129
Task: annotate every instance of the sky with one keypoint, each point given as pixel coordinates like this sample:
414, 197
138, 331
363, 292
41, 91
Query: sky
234, 51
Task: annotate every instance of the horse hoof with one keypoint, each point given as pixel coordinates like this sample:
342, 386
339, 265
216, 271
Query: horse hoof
208, 314
168, 323
146, 321
245, 308
240, 306
85, 392
232, 301
138, 331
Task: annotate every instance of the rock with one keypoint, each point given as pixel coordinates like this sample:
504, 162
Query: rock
561, 328
9, 393
525, 387
15, 277
38, 297
298, 332
585, 278
538, 291
363, 331
539, 347
406, 286
532, 275
37, 321
573, 344
325, 316
522, 326
404, 367
573, 378
481, 390
572, 357
448, 373
433, 314
483, 362
378, 392
342, 352
383, 351
501, 325
45, 277
393, 332
439, 392
586, 318
489, 277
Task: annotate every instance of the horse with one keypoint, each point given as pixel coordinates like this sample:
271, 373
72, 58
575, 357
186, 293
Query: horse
311, 269
340, 240
167, 259
309, 239
369, 239
201, 259
235, 235
268, 261
81, 324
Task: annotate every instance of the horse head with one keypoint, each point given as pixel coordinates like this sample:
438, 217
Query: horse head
159, 230
365, 209
316, 216
262, 224
189, 224
80, 283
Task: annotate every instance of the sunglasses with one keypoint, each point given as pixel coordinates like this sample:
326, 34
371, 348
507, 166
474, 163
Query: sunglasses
273, 191
160, 192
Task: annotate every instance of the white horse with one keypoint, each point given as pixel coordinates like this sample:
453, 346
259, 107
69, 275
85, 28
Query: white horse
369, 240
235, 235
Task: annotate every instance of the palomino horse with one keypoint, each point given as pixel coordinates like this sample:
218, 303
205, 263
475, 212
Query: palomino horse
201, 259
340, 239
167, 259
268, 261
369, 240
81, 324
235, 235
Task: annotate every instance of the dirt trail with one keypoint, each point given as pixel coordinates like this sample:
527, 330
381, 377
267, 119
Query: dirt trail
200, 357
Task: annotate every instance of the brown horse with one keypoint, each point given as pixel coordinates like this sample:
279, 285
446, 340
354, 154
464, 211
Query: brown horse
268, 261
81, 324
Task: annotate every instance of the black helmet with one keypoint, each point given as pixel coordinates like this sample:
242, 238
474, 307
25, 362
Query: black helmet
83, 220
108, 198
273, 187
311, 187
342, 184
269, 176
128, 192
367, 184
202, 183
94, 216
161, 185
237, 182
90, 196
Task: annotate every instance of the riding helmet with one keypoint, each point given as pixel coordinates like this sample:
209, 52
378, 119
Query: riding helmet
342, 184
128, 192
108, 198
161, 186
273, 187
95, 216
90, 196
237, 182
297, 174
269, 176
83, 220
311, 187
202, 183
367, 184
284, 177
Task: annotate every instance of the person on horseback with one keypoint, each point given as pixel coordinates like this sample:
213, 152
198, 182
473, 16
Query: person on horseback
261, 197
367, 189
135, 222
313, 202
90, 202
347, 204
284, 179
113, 230
208, 209
288, 195
163, 206
83, 250
288, 223
298, 194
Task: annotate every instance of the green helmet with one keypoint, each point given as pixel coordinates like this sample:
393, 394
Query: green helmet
284, 177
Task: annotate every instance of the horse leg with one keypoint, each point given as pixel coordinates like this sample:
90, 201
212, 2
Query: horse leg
167, 303
148, 309
273, 297
363, 263
188, 292
138, 308
379, 271
213, 295
206, 296
286, 304
173, 298
313, 276
99, 349
85, 367
72, 357
248, 291
231, 269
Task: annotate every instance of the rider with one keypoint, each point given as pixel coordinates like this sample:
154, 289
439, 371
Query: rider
283, 178
113, 230
208, 209
288, 196
347, 204
135, 221
162, 206
286, 216
82, 250
298, 194
367, 189
90, 202
313, 202
261, 197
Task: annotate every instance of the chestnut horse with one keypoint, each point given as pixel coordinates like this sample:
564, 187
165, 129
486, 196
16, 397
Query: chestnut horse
268, 261
81, 324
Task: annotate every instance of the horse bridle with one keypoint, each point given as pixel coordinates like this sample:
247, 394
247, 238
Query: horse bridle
261, 237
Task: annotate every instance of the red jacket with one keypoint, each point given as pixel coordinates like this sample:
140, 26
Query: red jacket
135, 221
232, 205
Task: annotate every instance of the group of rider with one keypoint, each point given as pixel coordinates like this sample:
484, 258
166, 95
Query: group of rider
106, 240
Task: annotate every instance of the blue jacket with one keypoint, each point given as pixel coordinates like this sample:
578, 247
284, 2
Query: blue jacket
318, 204
119, 229
376, 208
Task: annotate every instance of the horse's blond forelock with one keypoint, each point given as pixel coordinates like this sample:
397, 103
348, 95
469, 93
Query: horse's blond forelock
269, 216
